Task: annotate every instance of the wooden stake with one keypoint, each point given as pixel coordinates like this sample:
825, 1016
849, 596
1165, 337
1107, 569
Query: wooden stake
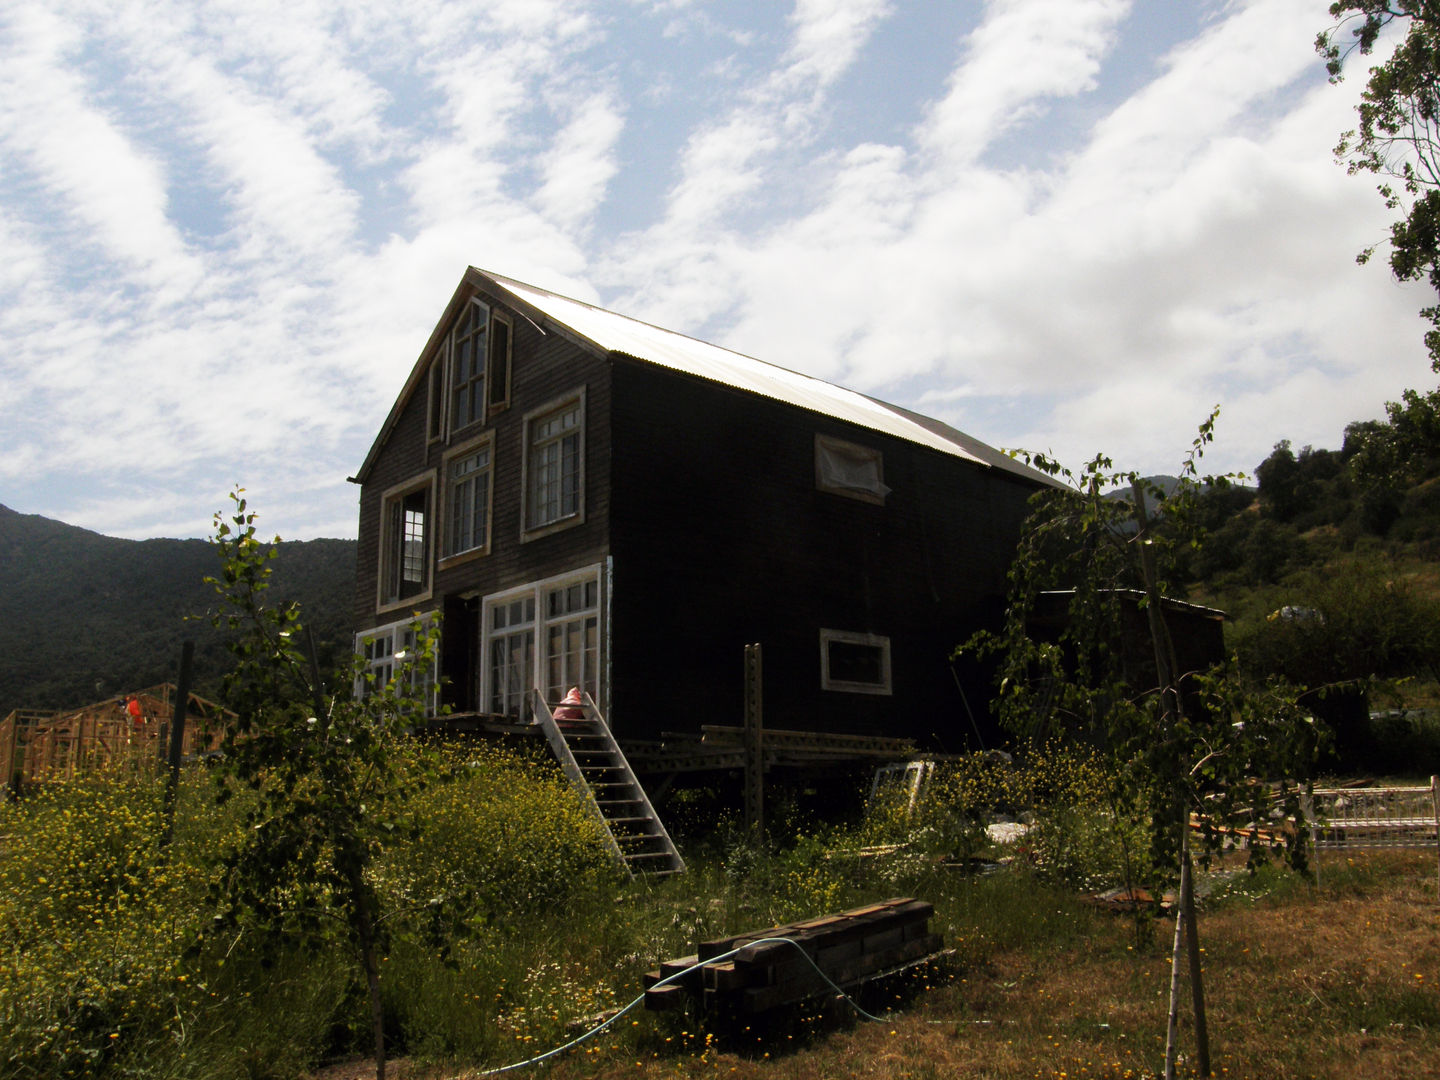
1192, 950
179, 706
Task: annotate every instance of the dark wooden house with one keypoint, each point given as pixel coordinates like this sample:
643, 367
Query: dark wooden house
593, 501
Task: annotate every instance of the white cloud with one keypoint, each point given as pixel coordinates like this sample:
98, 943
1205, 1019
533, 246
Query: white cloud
115, 188
581, 162
234, 223
1020, 55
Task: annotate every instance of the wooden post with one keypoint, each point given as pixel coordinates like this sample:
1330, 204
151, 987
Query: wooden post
1435, 802
754, 744
178, 709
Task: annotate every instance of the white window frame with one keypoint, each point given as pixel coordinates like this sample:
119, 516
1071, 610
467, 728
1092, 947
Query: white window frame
543, 623
530, 528
831, 452
378, 646
449, 557
850, 637
481, 365
391, 553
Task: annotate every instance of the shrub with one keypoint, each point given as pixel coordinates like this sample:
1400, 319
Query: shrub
89, 921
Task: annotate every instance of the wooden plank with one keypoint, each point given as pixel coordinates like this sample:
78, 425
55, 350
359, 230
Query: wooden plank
810, 984
663, 998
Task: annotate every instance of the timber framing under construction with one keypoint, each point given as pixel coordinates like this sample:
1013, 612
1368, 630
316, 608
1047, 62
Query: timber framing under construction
128, 733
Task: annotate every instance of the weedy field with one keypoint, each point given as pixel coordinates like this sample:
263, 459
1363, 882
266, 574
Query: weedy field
111, 964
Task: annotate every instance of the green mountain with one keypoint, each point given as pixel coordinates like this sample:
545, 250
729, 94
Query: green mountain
85, 616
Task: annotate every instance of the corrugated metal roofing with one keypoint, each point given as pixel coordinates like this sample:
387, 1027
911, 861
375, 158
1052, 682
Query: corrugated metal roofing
611, 333
622, 334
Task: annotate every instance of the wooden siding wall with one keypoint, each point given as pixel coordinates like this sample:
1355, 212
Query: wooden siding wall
721, 538
544, 367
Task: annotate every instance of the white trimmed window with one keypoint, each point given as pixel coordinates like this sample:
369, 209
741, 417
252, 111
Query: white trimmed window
854, 663
572, 638
846, 468
468, 359
554, 465
405, 523
469, 477
385, 649
546, 634
510, 647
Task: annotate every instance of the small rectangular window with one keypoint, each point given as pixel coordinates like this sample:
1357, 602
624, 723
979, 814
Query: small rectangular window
854, 663
499, 376
436, 421
846, 468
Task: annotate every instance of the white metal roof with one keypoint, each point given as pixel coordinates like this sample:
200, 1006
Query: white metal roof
622, 334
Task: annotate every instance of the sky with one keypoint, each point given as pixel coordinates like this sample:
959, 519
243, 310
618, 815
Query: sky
227, 227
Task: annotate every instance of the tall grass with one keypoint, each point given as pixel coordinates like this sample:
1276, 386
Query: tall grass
510, 926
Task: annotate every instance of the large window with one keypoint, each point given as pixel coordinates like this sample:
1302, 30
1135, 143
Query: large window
555, 465
510, 634
854, 663
546, 634
405, 544
386, 650
468, 481
468, 358
572, 638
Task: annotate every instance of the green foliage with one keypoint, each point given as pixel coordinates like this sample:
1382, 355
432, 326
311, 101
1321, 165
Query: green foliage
1192, 745
84, 979
1353, 621
477, 856
1399, 133
327, 795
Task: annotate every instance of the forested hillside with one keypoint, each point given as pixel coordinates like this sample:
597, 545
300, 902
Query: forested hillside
85, 616
1329, 570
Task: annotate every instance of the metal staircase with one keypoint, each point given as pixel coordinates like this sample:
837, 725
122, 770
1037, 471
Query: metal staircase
594, 763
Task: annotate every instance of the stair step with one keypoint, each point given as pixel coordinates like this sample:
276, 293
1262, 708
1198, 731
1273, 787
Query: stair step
596, 765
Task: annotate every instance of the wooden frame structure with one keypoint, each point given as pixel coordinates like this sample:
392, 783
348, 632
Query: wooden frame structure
105, 736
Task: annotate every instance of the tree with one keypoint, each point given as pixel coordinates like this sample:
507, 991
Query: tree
319, 768
1398, 138
1196, 747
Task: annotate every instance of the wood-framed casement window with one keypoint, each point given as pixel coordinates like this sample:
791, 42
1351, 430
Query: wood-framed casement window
849, 469
554, 467
468, 360
854, 663
499, 376
549, 635
469, 483
406, 528
386, 649
435, 385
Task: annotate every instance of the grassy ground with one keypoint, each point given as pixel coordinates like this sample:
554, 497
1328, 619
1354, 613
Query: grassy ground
1336, 980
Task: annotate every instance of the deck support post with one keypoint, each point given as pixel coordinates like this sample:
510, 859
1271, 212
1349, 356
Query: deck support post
754, 744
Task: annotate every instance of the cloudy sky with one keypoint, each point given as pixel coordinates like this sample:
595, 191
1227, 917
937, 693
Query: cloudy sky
228, 226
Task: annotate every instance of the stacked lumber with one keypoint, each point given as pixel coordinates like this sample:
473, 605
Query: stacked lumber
850, 948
